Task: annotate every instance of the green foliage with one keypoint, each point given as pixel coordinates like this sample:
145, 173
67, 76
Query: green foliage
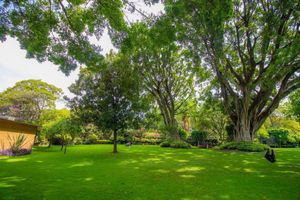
198, 137
180, 144
28, 99
65, 129
280, 135
91, 139
164, 68
251, 47
109, 98
16, 143
165, 144
61, 32
176, 144
183, 134
244, 146
294, 108
262, 132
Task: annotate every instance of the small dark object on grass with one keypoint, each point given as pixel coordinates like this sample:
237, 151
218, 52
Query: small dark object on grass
128, 144
270, 156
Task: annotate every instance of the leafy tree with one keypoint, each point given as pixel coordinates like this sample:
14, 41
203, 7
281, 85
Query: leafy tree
28, 99
65, 129
110, 98
251, 46
294, 108
165, 72
212, 118
48, 120
61, 31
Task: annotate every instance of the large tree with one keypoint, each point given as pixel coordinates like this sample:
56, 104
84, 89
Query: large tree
27, 99
108, 98
164, 70
251, 46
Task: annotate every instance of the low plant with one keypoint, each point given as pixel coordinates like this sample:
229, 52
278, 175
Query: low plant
244, 146
180, 144
16, 143
165, 144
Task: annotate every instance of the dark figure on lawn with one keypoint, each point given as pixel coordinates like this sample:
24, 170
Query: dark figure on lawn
270, 156
128, 144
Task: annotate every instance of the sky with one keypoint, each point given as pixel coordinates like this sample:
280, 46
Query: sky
14, 66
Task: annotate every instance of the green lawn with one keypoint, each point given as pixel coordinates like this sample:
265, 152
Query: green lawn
149, 172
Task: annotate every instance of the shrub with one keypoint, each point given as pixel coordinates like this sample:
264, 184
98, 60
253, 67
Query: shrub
104, 142
245, 146
16, 143
180, 144
92, 139
165, 144
183, 134
280, 135
198, 137
21, 152
77, 140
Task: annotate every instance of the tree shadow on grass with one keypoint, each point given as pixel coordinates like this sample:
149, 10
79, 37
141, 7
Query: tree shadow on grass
148, 172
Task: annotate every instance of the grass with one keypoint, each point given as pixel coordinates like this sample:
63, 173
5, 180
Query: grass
149, 172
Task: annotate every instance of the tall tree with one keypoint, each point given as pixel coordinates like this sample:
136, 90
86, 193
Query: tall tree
164, 70
108, 98
27, 99
251, 46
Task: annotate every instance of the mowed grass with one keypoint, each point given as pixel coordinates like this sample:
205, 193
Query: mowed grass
149, 172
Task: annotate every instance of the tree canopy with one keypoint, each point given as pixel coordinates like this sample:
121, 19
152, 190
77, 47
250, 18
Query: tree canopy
27, 99
109, 98
61, 31
251, 46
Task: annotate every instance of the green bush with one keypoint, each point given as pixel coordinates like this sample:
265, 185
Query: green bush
104, 142
183, 134
77, 140
180, 144
92, 139
280, 135
198, 137
245, 146
165, 144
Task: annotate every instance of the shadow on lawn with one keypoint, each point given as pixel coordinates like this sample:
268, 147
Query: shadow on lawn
145, 166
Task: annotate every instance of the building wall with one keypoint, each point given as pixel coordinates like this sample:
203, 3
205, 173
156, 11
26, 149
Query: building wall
10, 130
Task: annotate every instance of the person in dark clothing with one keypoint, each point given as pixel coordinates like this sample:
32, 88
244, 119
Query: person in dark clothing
270, 156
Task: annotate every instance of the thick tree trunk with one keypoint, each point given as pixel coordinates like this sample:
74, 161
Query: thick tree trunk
115, 150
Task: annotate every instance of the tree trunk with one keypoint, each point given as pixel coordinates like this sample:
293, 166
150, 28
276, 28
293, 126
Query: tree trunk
50, 143
65, 149
62, 146
115, 150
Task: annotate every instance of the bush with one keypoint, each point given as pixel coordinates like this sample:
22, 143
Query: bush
77, 140
180, 144
198, 137
165, 144
16, 143
176, 144
245, 146
183, 134
104, 142
92, 139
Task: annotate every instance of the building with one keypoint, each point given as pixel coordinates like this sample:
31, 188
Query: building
10, 130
